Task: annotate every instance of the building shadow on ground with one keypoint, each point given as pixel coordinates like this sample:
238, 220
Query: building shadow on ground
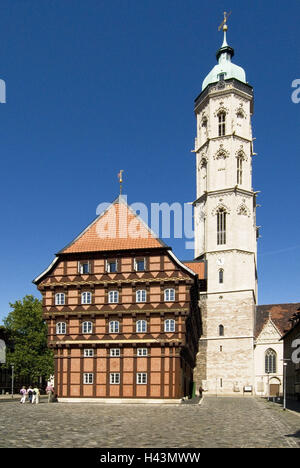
295, 435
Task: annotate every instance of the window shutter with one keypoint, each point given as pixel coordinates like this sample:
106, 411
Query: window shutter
78, 267
135, 265
89, 267
106, 266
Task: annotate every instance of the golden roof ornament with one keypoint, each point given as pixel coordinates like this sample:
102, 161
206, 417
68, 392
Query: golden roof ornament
224, 22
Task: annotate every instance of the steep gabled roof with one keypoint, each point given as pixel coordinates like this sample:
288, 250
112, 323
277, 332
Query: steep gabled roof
117, 228
280, 315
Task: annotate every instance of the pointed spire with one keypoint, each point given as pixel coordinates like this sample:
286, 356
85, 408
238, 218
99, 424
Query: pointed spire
225, 39
225, 48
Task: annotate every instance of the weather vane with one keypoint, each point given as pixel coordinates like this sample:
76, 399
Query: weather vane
226, 16
120, 177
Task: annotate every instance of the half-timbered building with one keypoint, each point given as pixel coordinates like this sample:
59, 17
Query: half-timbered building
122, 312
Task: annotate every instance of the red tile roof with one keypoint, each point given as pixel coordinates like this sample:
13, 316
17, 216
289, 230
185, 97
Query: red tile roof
279, 313
118, 228
197, 267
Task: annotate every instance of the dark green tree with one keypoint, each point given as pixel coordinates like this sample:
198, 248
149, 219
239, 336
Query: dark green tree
28, 334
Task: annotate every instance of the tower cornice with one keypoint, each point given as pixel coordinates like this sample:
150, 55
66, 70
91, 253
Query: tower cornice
225, 137
249, 193
221, 88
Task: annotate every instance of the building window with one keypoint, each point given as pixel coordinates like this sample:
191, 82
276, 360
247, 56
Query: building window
270, 361
169, 295
221, 226
142, 352
88, 352
169, 326
141, 295
221, 276
84, 268
222, 123
221, 330
139, 264
61, 328
114, 378
115, 352
141, 378
221, 76
239, 169
113, 297
111, 266
88, 378
59, 299
114, 327
87, 327
86, 298
141, 326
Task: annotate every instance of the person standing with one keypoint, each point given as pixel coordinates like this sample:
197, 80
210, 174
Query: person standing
36, 395
29, 393
23, 392
49, 391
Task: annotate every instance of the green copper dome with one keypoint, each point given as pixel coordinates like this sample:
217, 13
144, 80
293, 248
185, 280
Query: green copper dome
225, 69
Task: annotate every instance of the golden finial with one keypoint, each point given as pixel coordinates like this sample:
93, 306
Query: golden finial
226, 16
120, 177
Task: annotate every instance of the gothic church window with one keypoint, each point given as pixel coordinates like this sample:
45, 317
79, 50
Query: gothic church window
222, 123
221, 226
221, 330
239, 163
203, 167
270, 361
221, 276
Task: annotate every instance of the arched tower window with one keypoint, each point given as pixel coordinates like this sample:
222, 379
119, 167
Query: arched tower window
203, 167
239, 169
221, 276
270, 361
221, 330
221, 226
222, 123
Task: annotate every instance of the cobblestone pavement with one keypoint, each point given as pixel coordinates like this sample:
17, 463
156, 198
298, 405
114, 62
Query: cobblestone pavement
217, 422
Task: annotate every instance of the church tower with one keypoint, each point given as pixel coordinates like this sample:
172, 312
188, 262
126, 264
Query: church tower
225, 226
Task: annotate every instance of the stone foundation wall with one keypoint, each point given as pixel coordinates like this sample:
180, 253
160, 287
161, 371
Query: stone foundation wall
225, 364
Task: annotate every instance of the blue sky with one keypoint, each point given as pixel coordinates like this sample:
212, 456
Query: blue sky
97, 86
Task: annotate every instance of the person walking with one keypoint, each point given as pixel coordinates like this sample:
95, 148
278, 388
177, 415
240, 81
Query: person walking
49, 391
23, 392
36, 395
29, 393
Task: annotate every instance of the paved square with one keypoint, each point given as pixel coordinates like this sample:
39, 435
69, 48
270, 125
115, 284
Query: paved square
218, 422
